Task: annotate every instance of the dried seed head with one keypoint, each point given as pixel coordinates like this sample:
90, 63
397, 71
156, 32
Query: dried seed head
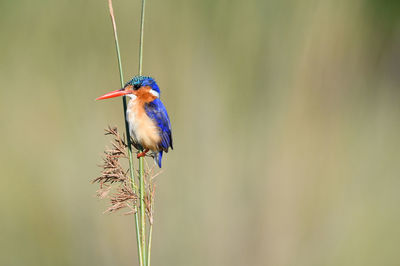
113, 177
115, 183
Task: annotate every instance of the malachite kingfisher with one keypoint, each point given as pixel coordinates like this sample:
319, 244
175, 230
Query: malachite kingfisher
148, 120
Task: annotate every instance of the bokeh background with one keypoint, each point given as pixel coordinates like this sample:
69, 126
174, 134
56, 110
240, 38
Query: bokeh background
286, 125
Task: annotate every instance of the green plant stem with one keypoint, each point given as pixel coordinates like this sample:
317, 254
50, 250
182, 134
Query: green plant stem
142, 209
131, 169
141, 37
141, 177
149, 249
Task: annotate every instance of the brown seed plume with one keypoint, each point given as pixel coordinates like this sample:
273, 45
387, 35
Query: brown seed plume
115, 182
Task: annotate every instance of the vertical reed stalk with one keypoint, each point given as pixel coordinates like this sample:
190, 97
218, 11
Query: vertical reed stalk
142, 209
149, 249
141, 37
141, 176
131, 168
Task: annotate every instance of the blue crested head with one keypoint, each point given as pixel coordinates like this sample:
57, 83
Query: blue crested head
142, 81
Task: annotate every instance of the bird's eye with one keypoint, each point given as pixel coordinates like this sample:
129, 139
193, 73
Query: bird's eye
136, 86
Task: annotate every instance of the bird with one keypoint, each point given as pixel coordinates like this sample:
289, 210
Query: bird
147, 117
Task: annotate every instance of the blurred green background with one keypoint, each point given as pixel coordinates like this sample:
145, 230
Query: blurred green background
285, 121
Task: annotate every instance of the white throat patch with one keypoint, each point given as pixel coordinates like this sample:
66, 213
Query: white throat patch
132, 96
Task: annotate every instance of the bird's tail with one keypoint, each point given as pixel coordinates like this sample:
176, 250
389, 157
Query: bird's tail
158, 157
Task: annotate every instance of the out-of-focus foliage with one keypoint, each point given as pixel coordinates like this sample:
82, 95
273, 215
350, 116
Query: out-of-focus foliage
285, 119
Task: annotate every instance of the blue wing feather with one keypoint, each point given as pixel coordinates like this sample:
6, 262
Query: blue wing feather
157, 112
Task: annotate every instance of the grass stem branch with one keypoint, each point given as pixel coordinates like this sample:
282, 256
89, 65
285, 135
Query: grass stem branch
124, 101
149, 249
141, 176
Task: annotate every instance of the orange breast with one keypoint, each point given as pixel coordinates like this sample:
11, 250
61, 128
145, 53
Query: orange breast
142, 128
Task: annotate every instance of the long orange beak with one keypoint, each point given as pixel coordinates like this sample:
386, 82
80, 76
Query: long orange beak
115, 93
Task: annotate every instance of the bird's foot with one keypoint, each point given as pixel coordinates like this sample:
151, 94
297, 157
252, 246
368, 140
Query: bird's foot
142, 154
